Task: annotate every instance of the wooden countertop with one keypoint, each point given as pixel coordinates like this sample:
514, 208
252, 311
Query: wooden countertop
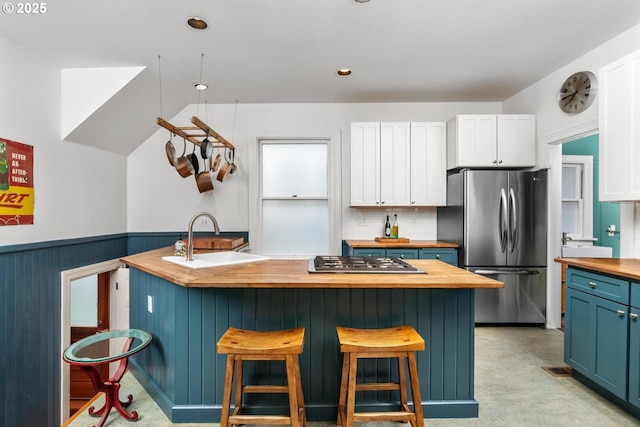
623, 267
411, 244
280, 273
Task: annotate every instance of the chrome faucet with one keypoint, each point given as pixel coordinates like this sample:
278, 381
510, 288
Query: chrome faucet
565, 239
190, 237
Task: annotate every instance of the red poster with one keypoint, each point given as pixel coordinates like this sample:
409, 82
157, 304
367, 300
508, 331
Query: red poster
16, 183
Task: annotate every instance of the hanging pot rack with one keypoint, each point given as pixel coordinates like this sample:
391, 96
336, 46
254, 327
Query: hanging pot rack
195, 134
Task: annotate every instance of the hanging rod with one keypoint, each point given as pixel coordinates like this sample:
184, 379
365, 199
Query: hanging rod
187, 133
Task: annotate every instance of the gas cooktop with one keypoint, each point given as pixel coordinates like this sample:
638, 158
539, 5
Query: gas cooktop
360, 264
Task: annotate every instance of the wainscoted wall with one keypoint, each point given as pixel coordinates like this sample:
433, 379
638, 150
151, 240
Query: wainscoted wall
30, 317
30, 323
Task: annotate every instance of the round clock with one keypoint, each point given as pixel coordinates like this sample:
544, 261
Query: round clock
578, 92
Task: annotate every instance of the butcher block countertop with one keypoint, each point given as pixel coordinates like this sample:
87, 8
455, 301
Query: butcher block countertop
280, 273
410, 244
623, 267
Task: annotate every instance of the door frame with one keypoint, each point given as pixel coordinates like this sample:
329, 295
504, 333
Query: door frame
66, 277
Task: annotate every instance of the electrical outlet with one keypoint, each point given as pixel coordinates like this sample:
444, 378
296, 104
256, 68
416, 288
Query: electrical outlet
414, 221
362, 221
149, 303
204, 222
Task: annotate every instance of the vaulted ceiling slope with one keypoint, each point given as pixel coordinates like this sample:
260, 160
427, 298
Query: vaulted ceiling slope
288, 51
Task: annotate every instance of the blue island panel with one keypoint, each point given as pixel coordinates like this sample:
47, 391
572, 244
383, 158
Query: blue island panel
183, 373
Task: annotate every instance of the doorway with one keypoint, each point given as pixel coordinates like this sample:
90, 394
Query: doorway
111, 282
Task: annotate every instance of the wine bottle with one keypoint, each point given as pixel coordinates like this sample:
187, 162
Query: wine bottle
394, 229
387, 228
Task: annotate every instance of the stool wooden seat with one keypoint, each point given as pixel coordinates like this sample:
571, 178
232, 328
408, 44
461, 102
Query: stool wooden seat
240, 345
400, 342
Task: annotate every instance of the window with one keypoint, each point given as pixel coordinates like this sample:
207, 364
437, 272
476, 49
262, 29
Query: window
294, 196
577, 196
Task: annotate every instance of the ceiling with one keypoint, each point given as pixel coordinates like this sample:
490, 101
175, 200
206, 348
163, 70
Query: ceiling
288, 51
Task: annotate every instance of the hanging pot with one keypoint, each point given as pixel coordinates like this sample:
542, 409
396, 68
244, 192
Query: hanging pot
193, 158
203, 180
215, 164
206, 148
224, 169
171, 152
232, 165
183, 164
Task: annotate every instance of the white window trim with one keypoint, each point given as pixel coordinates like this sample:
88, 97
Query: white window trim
587, 194
333, 139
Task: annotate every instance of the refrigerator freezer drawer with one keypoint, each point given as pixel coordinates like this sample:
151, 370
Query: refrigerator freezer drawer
522, 300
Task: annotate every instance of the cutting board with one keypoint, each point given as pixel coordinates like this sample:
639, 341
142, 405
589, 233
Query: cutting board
392, 240
217, 242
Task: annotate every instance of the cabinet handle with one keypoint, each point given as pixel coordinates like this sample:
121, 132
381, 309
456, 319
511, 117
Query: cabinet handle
592, 285
620, 313
500, 161
413, 202
495, 161
633, 316
437, 256
382, 203
401, 256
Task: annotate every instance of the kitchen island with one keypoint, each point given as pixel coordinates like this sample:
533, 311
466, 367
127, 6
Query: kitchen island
187, 311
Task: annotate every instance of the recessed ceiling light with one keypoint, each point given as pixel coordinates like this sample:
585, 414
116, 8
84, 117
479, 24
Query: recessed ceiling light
201, 86
362, 1
197, 23
344, 71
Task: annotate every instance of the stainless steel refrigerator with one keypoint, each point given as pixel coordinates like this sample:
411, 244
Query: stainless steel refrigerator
499, 219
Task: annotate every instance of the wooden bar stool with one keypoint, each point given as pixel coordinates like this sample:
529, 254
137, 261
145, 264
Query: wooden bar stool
240, 345
400, 342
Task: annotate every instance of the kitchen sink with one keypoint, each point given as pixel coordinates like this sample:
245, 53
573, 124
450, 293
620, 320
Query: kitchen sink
586, 251
215, 259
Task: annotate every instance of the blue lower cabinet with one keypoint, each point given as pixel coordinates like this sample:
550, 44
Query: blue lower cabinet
450, 256
403, 253
602, 335
369, 252
634, 355
447, 255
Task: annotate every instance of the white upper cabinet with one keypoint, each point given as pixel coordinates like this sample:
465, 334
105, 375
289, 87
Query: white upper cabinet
398, 164
395, 153
428, 164
365, 164
619, 109
485, 140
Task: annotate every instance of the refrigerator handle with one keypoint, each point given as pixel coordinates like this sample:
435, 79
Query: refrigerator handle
502, 220
513, 220
507, 272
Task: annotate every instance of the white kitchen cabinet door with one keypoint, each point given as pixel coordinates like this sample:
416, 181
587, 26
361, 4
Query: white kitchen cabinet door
395, 166
619, 108
471, 141
428, 164
486, 140
516, 141
365, 164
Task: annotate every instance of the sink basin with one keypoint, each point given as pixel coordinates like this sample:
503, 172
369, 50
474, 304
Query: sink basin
586, 252
215, 259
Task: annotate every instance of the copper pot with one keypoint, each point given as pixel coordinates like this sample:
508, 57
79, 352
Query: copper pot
183, 164
203, 181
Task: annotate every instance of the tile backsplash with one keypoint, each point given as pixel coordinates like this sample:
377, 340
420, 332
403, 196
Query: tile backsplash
368, 223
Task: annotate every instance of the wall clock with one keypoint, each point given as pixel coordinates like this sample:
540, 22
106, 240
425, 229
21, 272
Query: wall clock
578, 92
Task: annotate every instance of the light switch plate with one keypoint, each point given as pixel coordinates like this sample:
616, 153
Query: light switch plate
149, 303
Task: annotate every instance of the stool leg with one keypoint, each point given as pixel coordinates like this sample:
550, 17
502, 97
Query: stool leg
292, 383
226, 392
351, 389
238, 396
415, 389
402, 381
344, 379
299, 393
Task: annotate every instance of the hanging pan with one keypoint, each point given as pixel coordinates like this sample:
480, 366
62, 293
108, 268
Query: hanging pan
183, 164
203, 179
171, 151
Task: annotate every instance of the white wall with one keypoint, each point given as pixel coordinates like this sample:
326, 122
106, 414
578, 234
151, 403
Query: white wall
554, 125
159, 199
79, 191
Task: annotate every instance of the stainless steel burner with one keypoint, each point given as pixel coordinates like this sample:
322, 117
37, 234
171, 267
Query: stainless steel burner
358, 264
